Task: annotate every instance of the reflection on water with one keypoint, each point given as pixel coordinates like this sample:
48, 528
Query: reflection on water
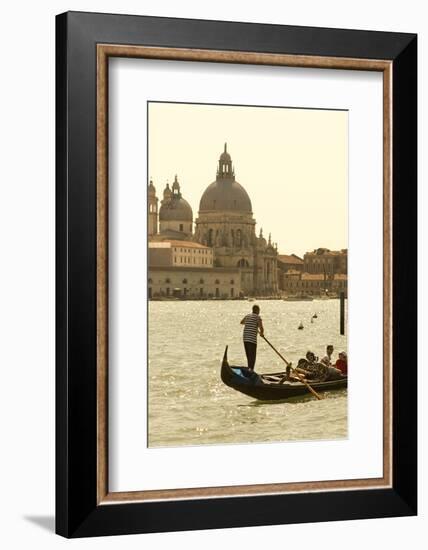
189, 404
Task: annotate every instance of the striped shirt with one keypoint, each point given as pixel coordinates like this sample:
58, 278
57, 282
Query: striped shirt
252, 323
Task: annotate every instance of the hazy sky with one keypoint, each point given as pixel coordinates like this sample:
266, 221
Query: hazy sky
293, 163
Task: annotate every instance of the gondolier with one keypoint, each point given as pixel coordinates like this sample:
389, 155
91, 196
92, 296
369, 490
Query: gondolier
252, 326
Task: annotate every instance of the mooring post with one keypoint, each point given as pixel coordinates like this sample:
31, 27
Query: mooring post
342, 313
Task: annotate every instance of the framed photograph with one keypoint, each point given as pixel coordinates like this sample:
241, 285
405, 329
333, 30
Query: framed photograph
236, 274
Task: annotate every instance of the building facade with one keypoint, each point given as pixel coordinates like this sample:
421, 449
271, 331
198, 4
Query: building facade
296, 283
287, 262
324, 260
180, 254
193, 283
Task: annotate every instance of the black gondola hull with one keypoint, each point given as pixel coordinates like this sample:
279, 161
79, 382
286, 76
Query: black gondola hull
258, 387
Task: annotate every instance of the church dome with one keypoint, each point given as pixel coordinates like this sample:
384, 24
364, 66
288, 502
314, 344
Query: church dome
176, 209
225, 193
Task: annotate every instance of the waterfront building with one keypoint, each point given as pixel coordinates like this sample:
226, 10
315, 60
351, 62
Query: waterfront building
314, 284
193, 282
323, 260
182, 254
287, 262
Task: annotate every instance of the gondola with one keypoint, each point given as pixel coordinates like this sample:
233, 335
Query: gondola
267, 387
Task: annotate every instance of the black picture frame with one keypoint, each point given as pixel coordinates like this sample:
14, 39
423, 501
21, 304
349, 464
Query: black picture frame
77, 511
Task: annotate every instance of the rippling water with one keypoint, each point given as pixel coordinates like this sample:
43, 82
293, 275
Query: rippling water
189, 404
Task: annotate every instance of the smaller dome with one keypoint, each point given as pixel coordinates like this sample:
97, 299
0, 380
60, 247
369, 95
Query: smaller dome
176, 209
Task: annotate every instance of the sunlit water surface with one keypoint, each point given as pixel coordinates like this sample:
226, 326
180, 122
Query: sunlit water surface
189, 404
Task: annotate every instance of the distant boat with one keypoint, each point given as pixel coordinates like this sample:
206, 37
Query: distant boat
302, 298
270, 387
314, 316
301, 327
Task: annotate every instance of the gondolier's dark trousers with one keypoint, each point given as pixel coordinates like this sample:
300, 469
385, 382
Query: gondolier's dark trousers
251, 352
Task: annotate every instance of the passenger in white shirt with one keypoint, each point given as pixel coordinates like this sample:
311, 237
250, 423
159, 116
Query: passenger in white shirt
326, 360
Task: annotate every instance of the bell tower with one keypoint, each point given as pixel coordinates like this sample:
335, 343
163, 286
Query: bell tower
152, 213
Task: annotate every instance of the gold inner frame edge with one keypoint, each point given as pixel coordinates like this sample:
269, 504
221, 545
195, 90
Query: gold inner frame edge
104, 51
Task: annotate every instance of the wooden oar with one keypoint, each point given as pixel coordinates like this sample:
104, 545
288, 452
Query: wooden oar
310, 388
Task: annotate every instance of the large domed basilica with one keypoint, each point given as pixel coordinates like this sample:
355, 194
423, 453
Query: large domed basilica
225, 223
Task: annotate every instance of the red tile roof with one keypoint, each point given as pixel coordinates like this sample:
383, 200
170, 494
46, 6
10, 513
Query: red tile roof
290, 259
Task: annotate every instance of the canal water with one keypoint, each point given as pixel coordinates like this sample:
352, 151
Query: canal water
189, 404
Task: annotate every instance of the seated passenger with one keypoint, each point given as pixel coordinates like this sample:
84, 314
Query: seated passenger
311, 369
342, 363
326, 360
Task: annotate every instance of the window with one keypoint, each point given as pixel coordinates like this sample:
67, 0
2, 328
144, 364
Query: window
201, 281
232, 282
184, 281
150, 281
181, 227
167, 281
217, 282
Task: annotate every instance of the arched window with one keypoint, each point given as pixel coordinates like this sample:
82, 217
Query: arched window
201, 281
232, 282
184, 281
150, 281
167, 280
210, 237
217, 282
242, 263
